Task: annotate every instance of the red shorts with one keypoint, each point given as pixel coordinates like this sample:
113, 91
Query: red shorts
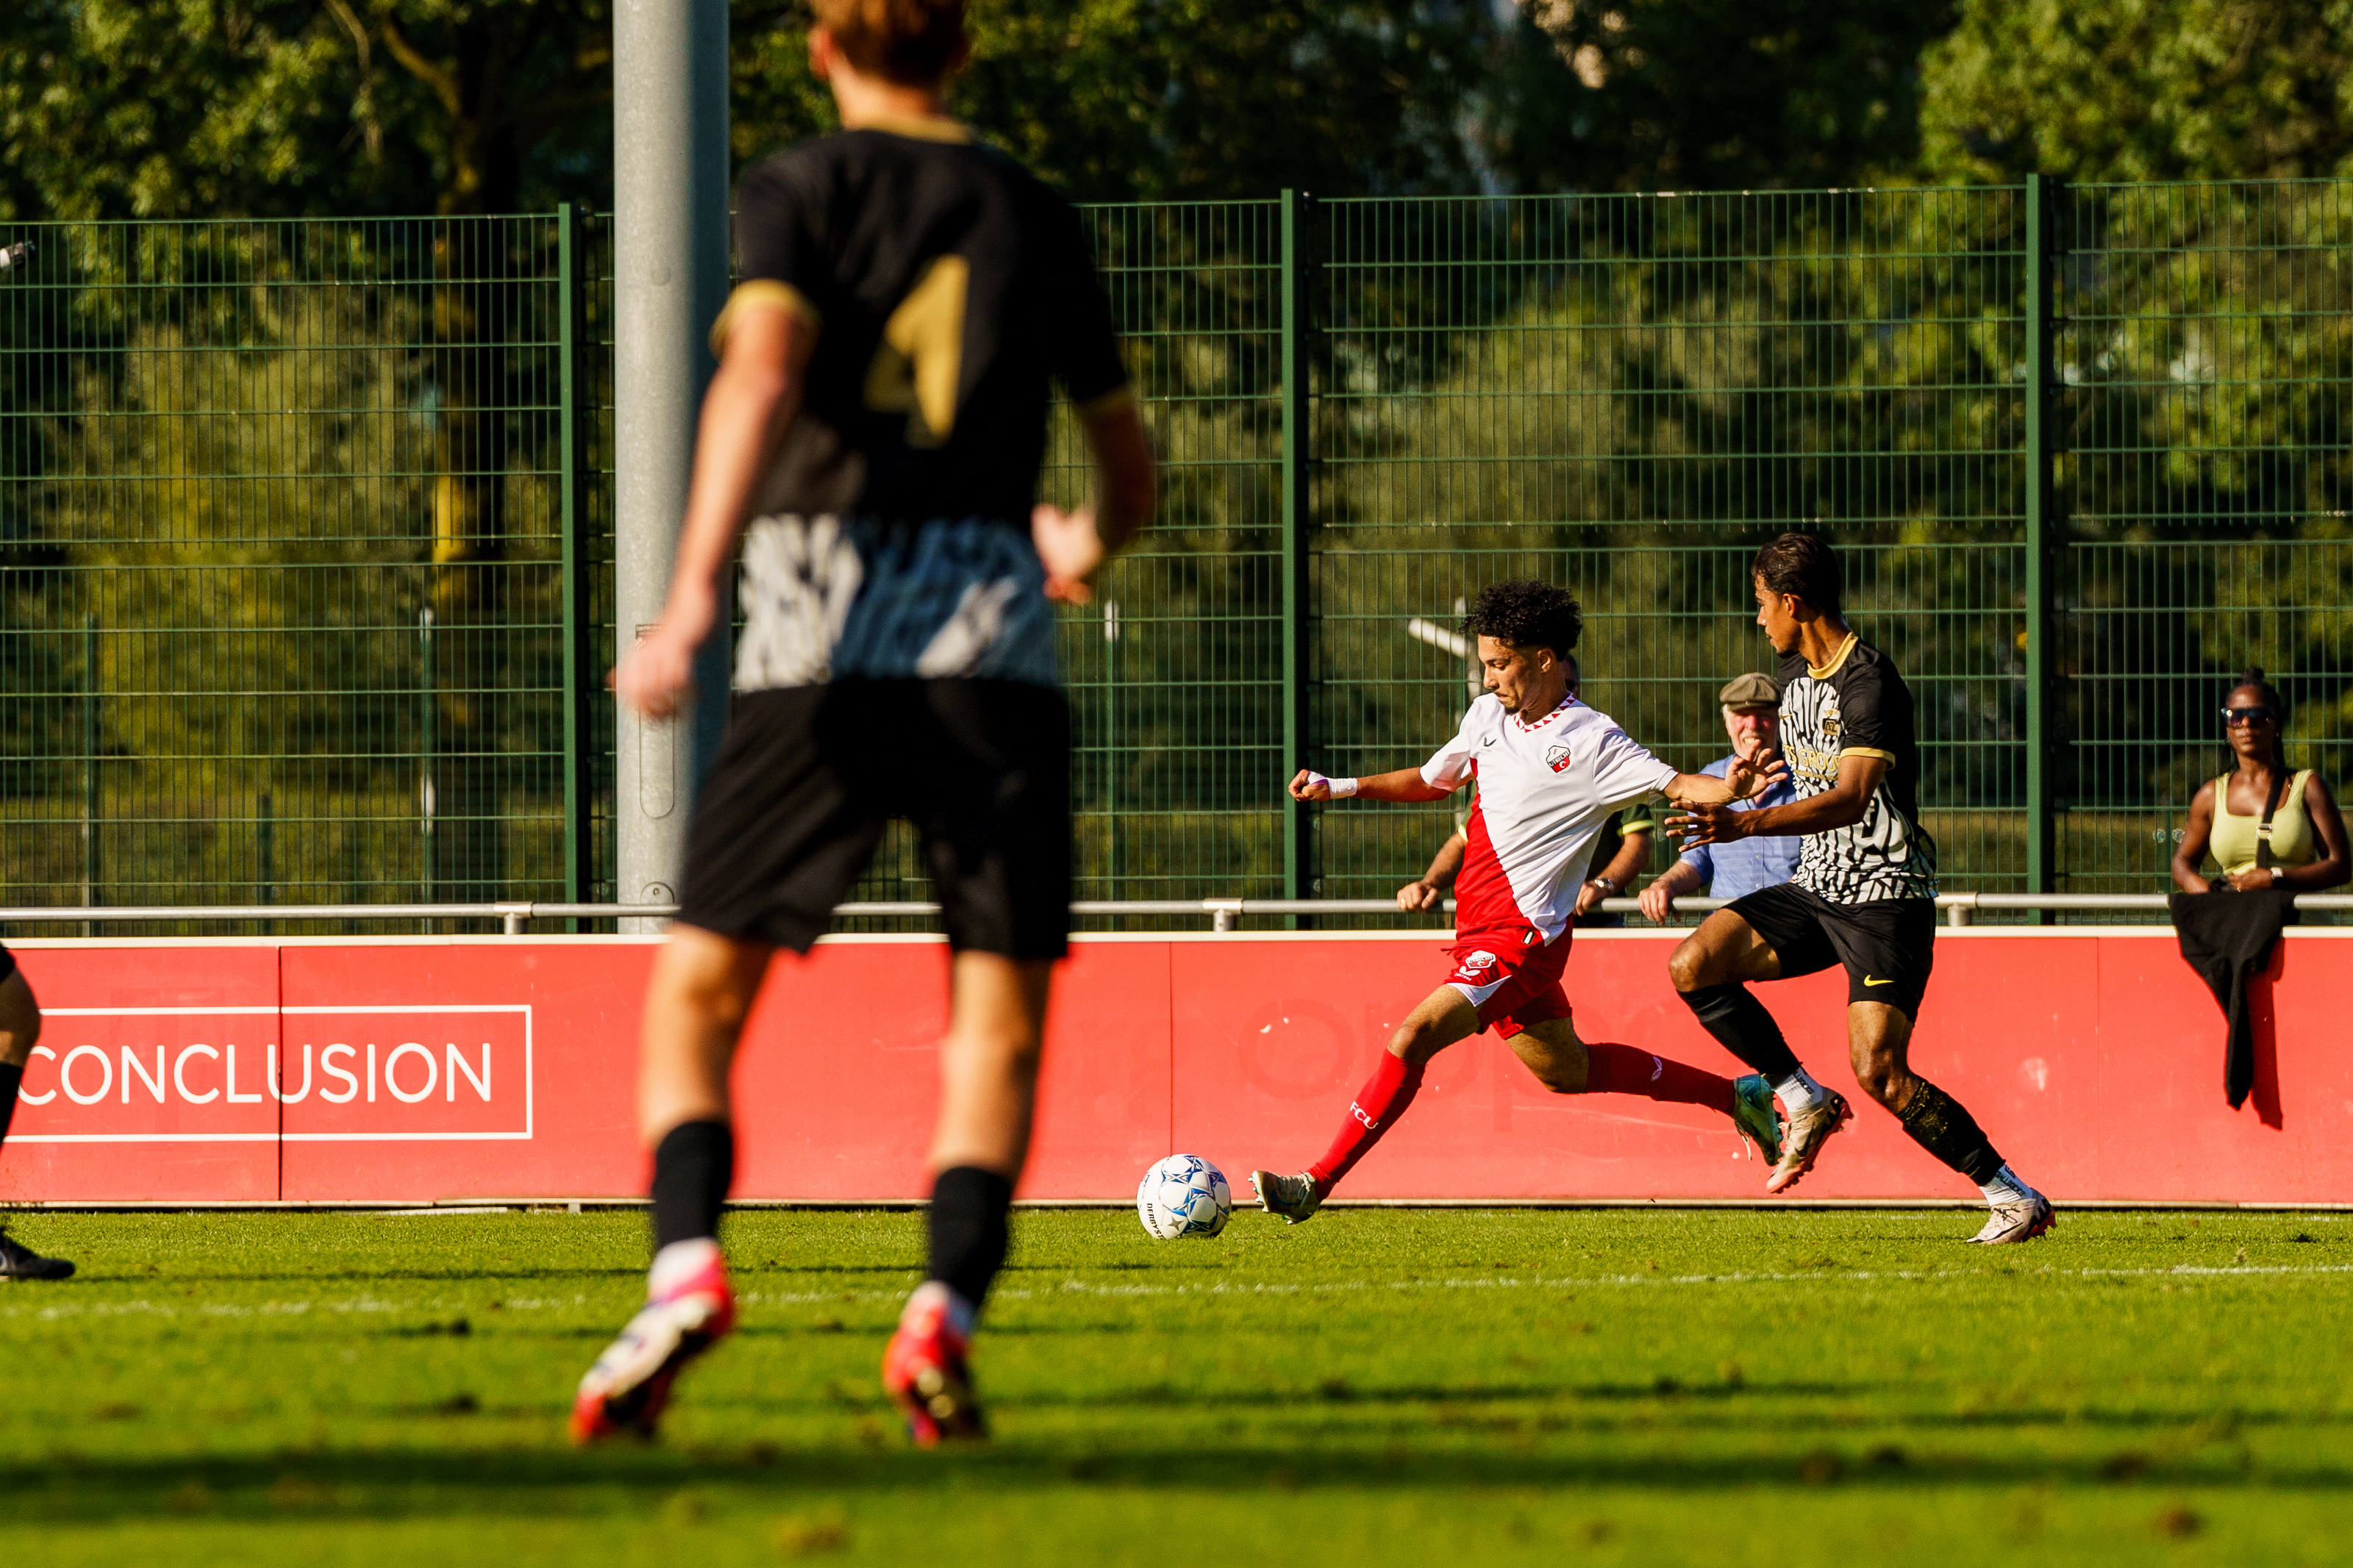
1513, 977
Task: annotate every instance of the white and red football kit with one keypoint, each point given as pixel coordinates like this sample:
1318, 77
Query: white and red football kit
1545, 791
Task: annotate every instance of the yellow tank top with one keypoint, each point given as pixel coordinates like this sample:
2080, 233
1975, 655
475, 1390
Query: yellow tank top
2294, 843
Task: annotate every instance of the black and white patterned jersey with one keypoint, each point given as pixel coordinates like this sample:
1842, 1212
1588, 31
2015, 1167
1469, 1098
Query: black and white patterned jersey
1857, 706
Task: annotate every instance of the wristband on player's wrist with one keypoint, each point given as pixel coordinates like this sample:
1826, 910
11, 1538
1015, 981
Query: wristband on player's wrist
1341, 788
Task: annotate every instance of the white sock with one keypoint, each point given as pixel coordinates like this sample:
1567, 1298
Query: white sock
2005, 1188
680, 1261
961, 1312
1799, 1092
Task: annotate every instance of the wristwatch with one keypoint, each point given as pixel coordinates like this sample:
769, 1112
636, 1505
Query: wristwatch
1606, 885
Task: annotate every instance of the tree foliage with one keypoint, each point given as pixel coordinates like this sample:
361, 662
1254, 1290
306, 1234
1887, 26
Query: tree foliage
1631, 94
114, 108
2140, 89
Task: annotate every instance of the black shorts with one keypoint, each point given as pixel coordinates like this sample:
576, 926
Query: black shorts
1888, 946
808, 776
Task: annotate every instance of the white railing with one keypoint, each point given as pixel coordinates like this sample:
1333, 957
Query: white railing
1222, 913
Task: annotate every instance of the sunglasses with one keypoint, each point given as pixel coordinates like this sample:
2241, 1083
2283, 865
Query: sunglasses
2248, 715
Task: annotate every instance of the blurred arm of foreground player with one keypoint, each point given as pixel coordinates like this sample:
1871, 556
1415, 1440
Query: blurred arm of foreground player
1073, 544
750, 408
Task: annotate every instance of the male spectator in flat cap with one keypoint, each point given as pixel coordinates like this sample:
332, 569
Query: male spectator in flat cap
1752, 717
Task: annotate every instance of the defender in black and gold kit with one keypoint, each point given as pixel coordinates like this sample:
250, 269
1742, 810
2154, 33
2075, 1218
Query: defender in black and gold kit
909, 301
1863, 895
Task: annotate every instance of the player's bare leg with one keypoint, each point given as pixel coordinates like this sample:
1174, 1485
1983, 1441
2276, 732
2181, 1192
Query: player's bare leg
1566, 1065
1879, 1038
20, 1031
1440, 1019
701, 990
1712, 970
988, 1092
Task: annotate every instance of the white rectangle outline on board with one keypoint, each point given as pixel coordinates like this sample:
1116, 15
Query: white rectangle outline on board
282, 1137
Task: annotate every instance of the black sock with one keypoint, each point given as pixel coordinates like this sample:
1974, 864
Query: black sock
10, 1080
1943, 1126
968, 1206
1741, 1026
695, 1165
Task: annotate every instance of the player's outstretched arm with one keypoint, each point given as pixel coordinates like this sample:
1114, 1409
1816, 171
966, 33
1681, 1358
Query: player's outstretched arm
750, 408
1843, 802
1425, 892
1747, 777
1406, 785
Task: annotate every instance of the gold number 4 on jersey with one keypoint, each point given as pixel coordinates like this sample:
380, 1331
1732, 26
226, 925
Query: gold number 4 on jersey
920, 355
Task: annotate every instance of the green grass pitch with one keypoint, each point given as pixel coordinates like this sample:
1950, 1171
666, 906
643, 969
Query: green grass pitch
1380, 1386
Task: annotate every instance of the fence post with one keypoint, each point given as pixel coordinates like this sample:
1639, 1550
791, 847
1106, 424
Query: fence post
2045, 531
1298, 826
90, 817
572, 334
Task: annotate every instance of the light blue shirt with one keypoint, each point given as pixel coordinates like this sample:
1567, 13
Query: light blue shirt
1736, 869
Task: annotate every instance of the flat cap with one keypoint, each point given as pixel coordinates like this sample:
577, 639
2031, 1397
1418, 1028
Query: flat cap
1750, 690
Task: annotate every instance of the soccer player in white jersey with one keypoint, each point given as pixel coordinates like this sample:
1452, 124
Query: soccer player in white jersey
1550, 770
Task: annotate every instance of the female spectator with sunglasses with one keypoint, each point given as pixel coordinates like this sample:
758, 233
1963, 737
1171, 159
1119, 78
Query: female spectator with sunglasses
2306, 848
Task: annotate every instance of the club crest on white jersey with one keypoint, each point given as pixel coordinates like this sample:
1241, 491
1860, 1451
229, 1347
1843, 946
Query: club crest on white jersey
1545, 791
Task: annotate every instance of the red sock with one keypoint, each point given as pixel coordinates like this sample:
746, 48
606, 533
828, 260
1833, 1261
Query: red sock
1379, 1104
1625, 1069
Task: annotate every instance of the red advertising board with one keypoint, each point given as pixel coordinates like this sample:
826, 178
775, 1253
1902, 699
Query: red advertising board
422, 1069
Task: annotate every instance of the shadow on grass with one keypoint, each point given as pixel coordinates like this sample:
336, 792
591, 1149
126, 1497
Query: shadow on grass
405, 1483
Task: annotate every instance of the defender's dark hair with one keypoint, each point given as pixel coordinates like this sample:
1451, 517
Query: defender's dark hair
1802, 564
2252, 679
1527, 615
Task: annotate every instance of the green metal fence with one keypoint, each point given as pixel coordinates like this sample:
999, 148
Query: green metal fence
305, 528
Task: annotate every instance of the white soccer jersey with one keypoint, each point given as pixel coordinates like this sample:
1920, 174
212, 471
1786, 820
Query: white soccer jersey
1546, 790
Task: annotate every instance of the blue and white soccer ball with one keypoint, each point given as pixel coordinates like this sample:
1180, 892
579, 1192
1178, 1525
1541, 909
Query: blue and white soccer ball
1184, 1195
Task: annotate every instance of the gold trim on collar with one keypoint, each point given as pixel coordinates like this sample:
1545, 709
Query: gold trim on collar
917, 127
762, 291
1837, 659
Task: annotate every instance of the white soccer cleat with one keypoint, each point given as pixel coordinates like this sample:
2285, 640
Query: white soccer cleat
2020, 1221
1294, 1197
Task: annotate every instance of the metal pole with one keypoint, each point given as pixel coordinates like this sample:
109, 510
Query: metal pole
266, 847
2044, 530
425, 748
570, 331
90, 867
671, 207
1298, 825
1111, 742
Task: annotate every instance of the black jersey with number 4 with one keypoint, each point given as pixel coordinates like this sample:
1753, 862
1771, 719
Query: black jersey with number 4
949, 288
949, 291
1857, 706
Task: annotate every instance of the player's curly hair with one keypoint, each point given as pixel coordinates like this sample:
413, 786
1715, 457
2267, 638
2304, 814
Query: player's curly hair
913, 42
1802, 564
1527, 615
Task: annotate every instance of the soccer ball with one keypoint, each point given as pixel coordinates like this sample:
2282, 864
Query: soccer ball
1184, 1195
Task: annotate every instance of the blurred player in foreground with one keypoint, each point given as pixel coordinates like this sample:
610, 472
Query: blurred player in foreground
878, 415
1550, 770
20, 1015
1863, 895
20, 1029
